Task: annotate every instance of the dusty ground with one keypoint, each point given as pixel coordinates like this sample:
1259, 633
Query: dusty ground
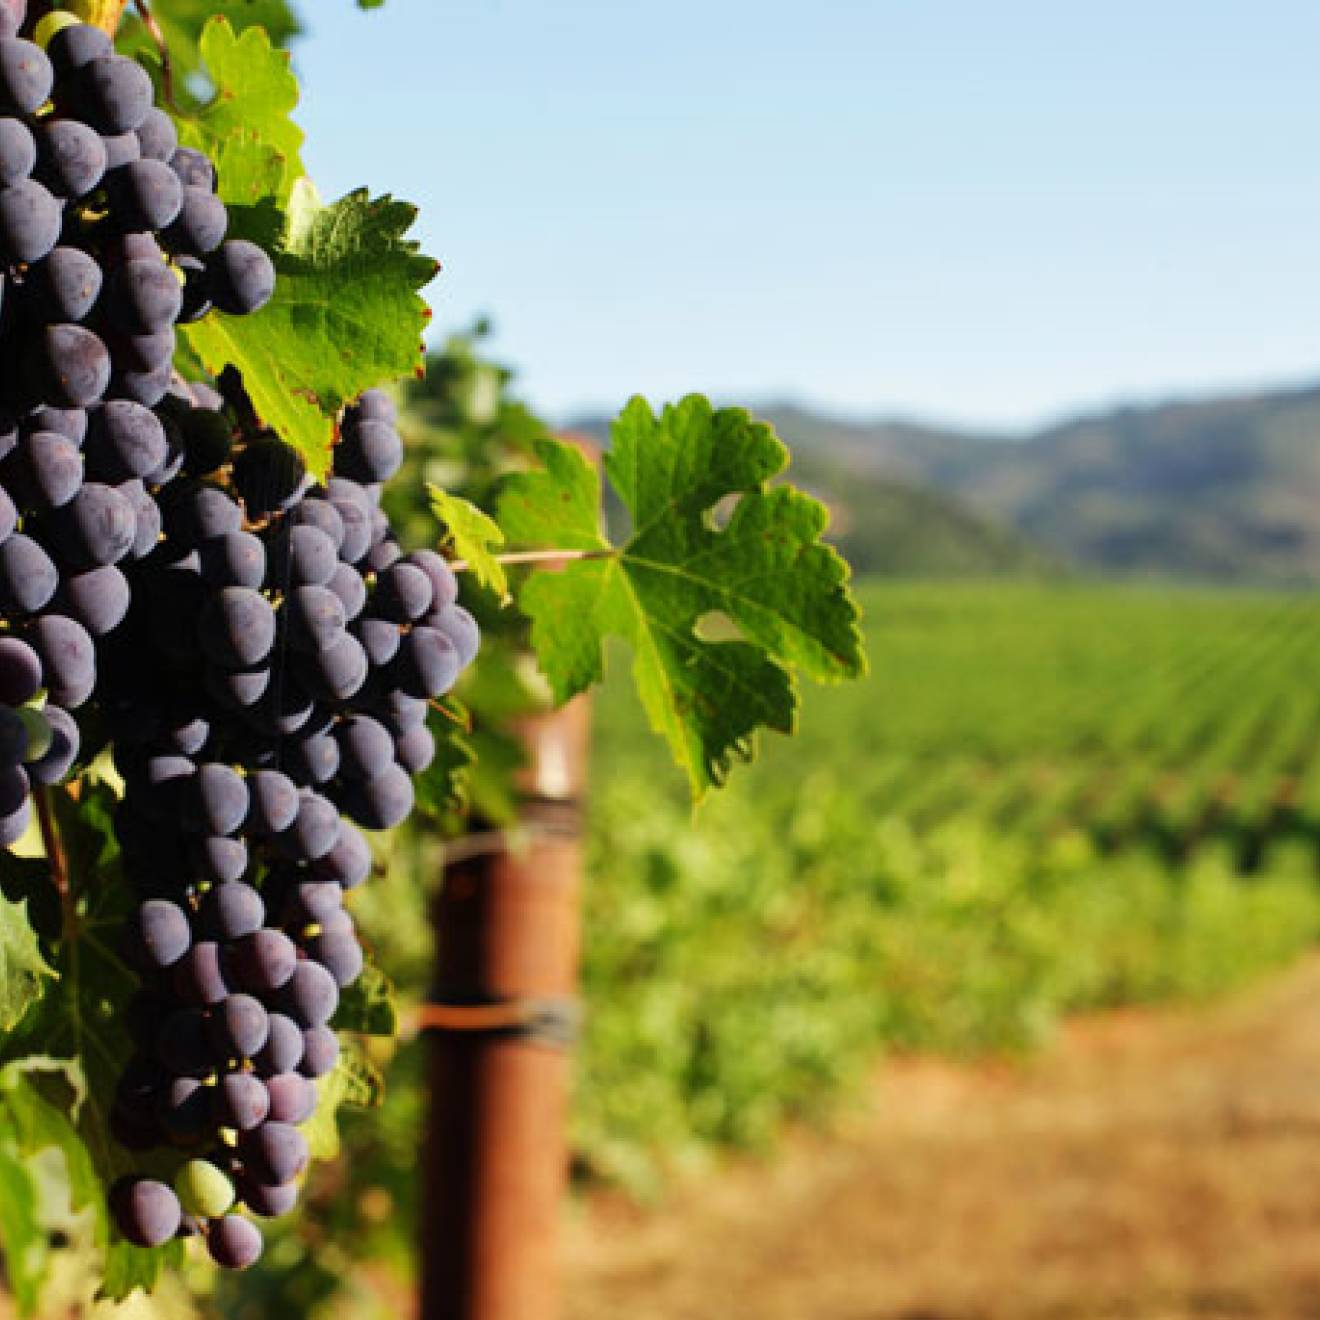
1152, 1165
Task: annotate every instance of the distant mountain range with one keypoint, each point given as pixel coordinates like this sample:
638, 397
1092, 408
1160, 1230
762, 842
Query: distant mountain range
1224, 489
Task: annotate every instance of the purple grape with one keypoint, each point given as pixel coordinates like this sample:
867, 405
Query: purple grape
339, 953
311, 995
26, 76
46, 470
234, 1242
65, 287
71, 157
18, 151
156, 135
382, 802
68, 658
30, 221
98, 599
28, 578
262, 962
283, 1050
239, 1027
73, 363
192, 168
242, 278
315, 618
314, 833
269, 1200
198, 977
236, 559
185, 1108
241, 1102
348, 863
274, 803
98, 526
292, 1098
114, 95
20, 672
274, 1152
158, 935
427, 665
320, 1052
403, 593
147, 1212
238, 627
66, 742
366, 748
219, 859
231, 911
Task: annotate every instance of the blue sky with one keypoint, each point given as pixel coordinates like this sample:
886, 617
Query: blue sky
976, 212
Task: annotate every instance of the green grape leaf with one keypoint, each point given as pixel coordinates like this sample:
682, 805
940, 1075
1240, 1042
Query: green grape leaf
346, 315
442, 787
355, 1081
245, 127
24, 972
474, 535
368, 1006
723, 588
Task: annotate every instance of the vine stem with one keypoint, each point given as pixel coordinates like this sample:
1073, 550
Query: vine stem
166, 68
50, 840
537, 557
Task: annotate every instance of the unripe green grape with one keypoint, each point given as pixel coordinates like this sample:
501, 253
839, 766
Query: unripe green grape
204, 1190
51, 23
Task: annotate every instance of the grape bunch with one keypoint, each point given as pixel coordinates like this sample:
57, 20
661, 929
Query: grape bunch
256, 649
266, 696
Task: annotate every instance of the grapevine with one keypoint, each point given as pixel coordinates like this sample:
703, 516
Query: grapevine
221, 667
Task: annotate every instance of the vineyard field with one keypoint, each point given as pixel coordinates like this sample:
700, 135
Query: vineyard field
1046, 798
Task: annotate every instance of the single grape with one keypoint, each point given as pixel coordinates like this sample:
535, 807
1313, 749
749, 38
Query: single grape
337, 671
71, 423
114, 94
147, 1212
196, 512
71, 157
98, 599
382, 802
156, 135
208, 441
231, 911
27, 573
241, 1102
54, 765
237, 689
237, 626
313, 760
357, 529
315, 617
145, 387
314, 833
20, 672
348, 863
372, 406
414, 749
384, 554
274, 803
283, 1049
26, 76
274, 1152
300, 556
365, 747
339, 953
262, 962
68, 658
218, 800
65, 287
46, 470
30, 220
427, 665
236, 559
241, 276
142, 297
234, 1242
145, 353
14, 824
320, 1052
124, 441
380, 640
220, 859
312, 902
311, 995
321, 514
98, 526
203, 1189
239, 1027
201, 223
403, 593
292, 1098
369, 451
146, 518
73, 363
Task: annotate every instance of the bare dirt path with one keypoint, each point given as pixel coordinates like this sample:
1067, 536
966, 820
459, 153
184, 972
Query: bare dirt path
1157, 1165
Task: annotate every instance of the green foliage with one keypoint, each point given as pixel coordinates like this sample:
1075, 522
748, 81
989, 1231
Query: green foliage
764, 571
24, 972
474, 538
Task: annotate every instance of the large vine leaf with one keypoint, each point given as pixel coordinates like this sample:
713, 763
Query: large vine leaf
24, 972
346, 315
720, 604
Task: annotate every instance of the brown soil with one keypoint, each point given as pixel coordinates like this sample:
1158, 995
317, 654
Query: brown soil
1153, 1165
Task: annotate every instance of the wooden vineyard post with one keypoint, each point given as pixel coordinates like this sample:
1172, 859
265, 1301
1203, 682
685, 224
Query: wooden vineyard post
501, 1026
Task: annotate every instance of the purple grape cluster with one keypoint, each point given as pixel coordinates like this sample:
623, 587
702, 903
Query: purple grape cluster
266, 697
110, 235
256, 649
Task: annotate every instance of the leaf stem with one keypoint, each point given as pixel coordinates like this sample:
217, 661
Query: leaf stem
537, 557
50, 840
